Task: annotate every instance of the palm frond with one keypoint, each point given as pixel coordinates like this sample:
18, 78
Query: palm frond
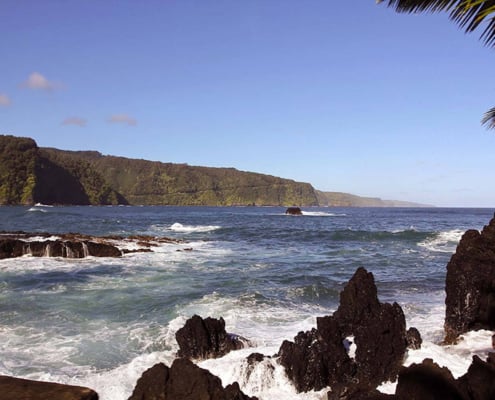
489, 119
468, 14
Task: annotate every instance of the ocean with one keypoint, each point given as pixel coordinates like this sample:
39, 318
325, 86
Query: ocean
101, 322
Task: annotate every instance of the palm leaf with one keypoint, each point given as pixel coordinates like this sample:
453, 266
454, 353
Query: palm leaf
489, 119
468, 14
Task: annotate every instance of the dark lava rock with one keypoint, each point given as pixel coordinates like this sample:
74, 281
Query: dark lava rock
184, 381
10, 248
479, 381
293, 211
414, 340
319, 358
470, 284
206, 338
427, 381
24, 389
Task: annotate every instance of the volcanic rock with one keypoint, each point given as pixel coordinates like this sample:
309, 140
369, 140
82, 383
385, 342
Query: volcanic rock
414, 340
293, 211
478, 383
470, 284
206, 338
10, 248
17, 389
184, 381
74, 245
427, 381
320, 357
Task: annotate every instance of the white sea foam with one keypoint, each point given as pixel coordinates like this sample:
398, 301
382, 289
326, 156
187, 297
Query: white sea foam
36, 209
443, 242
321, 214
178, 227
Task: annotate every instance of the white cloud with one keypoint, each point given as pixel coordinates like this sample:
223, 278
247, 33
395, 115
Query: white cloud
5, 100
75, 121
36, 81
122, 119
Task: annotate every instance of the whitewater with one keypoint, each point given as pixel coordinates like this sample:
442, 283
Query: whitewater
101, 322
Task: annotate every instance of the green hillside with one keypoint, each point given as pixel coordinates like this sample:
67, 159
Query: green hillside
29, 174
151, 182
338, 199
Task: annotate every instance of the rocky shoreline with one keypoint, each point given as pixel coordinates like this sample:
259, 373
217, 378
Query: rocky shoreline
75, 245
351, 352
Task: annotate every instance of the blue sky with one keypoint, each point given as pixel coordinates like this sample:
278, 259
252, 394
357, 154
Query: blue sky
349, 96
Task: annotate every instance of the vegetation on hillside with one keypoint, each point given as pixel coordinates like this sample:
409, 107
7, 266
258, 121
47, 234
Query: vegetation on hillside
151, 182
29, 174
17, 169
67, 180
338, 199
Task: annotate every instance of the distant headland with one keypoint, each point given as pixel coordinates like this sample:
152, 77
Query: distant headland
30, 174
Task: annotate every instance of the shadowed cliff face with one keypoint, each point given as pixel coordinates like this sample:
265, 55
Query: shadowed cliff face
56, 185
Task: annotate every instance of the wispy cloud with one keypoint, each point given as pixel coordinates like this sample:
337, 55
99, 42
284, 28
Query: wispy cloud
75, 121
122, 119
5, 100
36, 81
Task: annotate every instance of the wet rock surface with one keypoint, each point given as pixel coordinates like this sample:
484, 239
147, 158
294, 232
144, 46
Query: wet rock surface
184, 381
293, 211
206, 338
25, 389
470, 284
71, 245
320, 357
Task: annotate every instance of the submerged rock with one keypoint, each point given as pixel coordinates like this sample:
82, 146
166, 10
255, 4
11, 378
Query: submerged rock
206, 338
184, 381
470, 284
17, 389
321, 357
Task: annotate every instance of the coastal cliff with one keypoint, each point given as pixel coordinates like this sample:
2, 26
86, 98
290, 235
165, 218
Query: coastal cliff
30, 174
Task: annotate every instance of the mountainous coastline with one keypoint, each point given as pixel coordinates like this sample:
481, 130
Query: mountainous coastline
30, 174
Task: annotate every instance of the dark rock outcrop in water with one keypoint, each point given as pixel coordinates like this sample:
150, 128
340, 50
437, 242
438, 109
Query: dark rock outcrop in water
17, 389
293, 211
429, 381
414, 339
470, 284
321, 358
184, 381
71, 245
206, 338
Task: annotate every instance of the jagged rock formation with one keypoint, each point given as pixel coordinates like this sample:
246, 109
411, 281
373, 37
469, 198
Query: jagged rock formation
470, 284
17, 389
184, 381
71, 245
414, 339
206, 338
429, 381
321, 357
